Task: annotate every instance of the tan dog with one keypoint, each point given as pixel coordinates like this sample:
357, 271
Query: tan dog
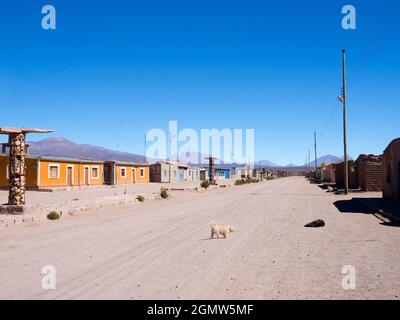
217, 229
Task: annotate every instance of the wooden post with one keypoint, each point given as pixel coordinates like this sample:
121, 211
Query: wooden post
346, 168
211, 169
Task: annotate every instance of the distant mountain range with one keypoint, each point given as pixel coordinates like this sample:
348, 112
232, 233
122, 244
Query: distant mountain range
61, 147
327, 158
265, 163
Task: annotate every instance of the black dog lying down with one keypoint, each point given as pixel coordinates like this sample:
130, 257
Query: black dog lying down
315, 224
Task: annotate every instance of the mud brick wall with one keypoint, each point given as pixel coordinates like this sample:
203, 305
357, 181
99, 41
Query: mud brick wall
391, 171
369, 172
339, 175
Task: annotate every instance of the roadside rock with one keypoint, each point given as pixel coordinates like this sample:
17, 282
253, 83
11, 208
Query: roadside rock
315, 224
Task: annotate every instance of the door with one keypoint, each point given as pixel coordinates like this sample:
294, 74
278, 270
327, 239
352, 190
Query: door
86, 176
109, 176
69, 177
181, 174
133, 175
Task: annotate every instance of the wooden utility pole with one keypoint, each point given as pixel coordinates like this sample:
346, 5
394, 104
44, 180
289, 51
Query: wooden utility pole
315, 152
211, 169
169, 162
346, 169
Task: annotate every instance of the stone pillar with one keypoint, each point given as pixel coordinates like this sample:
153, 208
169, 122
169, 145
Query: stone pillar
16, 169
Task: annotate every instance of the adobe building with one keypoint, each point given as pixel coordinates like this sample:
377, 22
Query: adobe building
169, 171
339, 175
391, 171
52, 172
193, 174
118, 172
203, 174
222, 173
328, 171
369, 172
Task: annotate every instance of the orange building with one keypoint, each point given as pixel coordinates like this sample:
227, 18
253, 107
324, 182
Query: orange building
50, 172
126, 172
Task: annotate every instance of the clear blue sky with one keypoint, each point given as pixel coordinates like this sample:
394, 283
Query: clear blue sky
114, 69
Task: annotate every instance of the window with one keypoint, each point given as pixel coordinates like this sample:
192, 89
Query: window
174, 173
389, 172
142, 172
123, 172
95, 172
54, 171
165, 173
190, 173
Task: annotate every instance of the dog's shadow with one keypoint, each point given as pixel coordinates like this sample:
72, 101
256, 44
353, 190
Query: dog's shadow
208, 239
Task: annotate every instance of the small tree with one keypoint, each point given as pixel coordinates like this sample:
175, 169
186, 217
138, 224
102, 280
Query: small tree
205, 184
238, 182
164, 193
140, 198
53, 215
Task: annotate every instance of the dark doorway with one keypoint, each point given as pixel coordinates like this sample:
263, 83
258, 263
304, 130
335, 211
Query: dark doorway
69, 176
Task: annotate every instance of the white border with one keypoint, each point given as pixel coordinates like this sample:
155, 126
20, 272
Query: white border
38, 173
144, 172
98, 172
58, 170
120, 172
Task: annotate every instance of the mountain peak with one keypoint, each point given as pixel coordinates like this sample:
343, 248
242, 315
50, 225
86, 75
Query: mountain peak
61, 147
53, 140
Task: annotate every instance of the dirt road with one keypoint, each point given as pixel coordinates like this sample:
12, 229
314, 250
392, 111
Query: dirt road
161, 249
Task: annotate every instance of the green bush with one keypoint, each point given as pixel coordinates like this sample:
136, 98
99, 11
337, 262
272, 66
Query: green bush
164, 193
53, 215
239, 182
205, 184
246, 181
140, 198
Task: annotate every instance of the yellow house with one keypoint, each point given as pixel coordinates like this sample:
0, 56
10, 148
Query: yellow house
126, 172
50, 172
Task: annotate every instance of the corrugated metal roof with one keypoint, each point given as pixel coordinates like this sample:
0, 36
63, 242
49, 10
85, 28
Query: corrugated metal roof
123, 163
59, 159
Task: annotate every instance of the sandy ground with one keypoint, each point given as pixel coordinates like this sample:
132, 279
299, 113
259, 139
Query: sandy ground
94, 192
161, 249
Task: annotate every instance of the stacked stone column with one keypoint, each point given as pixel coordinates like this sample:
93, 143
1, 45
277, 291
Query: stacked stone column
16, 169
